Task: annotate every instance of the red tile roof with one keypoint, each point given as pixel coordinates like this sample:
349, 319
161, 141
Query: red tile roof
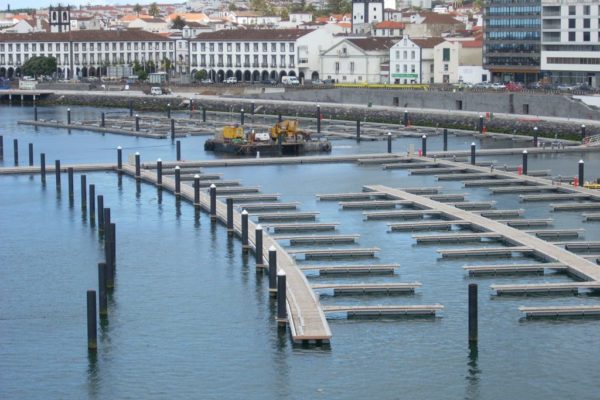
428, 43
389, 25
83, 36
373, 43
253, 35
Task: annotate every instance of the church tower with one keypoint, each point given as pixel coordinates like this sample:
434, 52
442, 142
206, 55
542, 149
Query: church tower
365, 13
59, 18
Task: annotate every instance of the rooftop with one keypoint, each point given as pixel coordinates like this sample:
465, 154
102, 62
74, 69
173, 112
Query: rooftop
253, 35
83, 36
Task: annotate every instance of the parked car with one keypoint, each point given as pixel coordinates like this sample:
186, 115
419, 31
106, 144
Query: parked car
534, 85
231, 79
498, 86
328, 81
514, 87
269, 81
584, 87
482, 85
156, 91
290, 80
566, 86
206, 81
317, 82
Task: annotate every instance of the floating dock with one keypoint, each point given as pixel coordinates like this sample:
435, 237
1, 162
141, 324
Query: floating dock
385, 310
513, 268
560, 311
368, 269
529, 288
368, 288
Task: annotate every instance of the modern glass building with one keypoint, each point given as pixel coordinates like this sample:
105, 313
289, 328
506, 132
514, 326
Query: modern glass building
512, 40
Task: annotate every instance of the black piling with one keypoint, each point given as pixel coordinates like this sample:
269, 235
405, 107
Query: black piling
137, 123
535, 136
472, 312
91, 321
424, 145
191, 106
582, 132
92, 198
229, 217
16, 151
473, 153
389, 142
197, 191
281, 298
102, 296
178, 150
252, 108
258, 246
113, 247
110, 276
35, 113
245, 245
480, 125
119, 158
318, 118
242, 117
358, 130
524, 162
138, 166
43, 167
159, 172
83, 193
130, 108
71, 183
445, 139
581, 174
279, 117
203, 114
213, 202
57, 173
405, 118
102, 119
177, 181
31, 154
169, 110
68, 116
1, 147
272, 271
172, 128
100, 201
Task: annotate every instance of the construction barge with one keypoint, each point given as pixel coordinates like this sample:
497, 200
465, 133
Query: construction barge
283, 138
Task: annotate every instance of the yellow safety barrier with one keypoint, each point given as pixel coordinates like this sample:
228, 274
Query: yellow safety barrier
382, 86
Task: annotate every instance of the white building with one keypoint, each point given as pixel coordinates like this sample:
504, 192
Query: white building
300, 18
149, 24
571, 41
446, 61
84, 53
259, 54
365, 13
412, 60
357, 60
388, 29
252, 18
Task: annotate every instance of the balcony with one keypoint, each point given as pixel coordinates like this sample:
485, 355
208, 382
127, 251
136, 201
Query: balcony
255, 65
273, 65
291, 65
264, 65
303, 61
220, 64
246, 64
282, 65
229, 65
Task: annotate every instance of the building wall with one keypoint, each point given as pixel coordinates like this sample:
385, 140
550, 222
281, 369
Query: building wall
405, 62
445, 62
473, 74
352, 65
310, 47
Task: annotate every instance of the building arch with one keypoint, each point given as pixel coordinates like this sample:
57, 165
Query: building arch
10, 72
274, 75
18, 71
282, 74
238, 75
3, 72
264, 75
292, 73
229, 73
84, 72
247, 76
256, 76
314, 76
220, 76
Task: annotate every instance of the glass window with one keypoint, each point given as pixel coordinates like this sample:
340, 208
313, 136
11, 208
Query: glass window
586, 23
571, 36
571, 10
586, 36
446, 55
571, 23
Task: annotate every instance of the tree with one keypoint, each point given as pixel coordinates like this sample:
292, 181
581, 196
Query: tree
166, 64
154, 10
199, 75
178, 23
339, 6
232, 7
137, 9
40, 65
285, 15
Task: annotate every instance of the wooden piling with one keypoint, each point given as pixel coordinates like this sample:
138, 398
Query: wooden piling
70, 183
213, 202
318, 118
92, 198
43, 167
102, 296
100, 201
524, 162
424, 145
35, 113
30, 154
480, 126
57, 173
358, 130
473, 325
245, 246
102, 119
581, 175
178, 150
473, 153
242, 117
258, 245
1, 147
83, 193
272, 271
535, 136
583, 134
137, 123
197, 191
445, 139
130, 108
229, 216
172, 129
405, 118
281, 298
91, 321
203, 114
169, 110
389, 142
113, 247
159, 173
68, 116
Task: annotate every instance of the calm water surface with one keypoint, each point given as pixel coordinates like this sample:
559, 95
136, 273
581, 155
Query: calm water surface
190, 317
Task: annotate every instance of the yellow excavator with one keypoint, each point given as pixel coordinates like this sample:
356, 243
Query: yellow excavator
288, 128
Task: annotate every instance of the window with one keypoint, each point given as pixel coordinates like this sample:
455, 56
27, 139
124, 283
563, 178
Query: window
264, 47
445, 67
431, 68
404, 55
291, 45
397, 54
571, 36
412, 55
571, 23
571, 10
586, 36
586, 10
405, 68
219, 47
247, 47
586, 23
351, 67
446, 54
282, 47
255, 47
273, 47
337, 67
229, 47
412, 68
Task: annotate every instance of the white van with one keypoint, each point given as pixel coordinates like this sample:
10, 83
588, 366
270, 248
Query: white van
290, 80
156, 91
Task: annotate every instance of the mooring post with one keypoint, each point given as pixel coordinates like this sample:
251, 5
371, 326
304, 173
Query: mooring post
137, 166
445, 139
16, 151
91, 320
472, 312
102, 119
113, 246
279, 117
177, 181
130, 108
524, 162
389, 142
31, 154
581, 175
281, 298
318, 118
252, 108
197, 191
535, 136
102, 297
57, 173
70, 183
1, 147
405, 118
172, 128
424, 145
43, 167
213, 202
582, 132
110, 276
258, 246
178, 150
119, 158
191, 106
83, 193
159, 173
245, 245
92, 198
203, 114
480, 128
168, 110
100, 201
272, 271
35, 113
68, 116
229, 216
137, 123
242, 117
358, 130
473, 153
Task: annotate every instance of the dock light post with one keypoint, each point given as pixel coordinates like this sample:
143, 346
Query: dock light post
281, 299
102, 119
197, 191
581, 175
582, 132
102, 297
229, 202
91, 321
159, 173
172, 128
70, 183
473, 153
242, 117
177, 181
272, 271
16, 151
119, 158
405, 118
245, 246
57, 173
31, 154
83, 193
178, 150
318, 118
535, 136
445, 139
524, 162
168, 110
424, 145
480, 123
389, 142
137, 122
358, 130
137, 166
473, 312
68, 116
213, 202
258, 244
43, 167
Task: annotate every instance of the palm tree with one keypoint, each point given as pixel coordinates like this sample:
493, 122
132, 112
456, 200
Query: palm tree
153, 10
137, 9
178, 22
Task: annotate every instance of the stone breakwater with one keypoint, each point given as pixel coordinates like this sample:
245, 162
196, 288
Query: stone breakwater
427, 118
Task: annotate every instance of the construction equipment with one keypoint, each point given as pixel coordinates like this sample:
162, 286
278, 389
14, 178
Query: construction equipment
288, 128
232, 132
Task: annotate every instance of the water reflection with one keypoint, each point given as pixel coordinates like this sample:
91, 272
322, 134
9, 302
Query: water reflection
473, 372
